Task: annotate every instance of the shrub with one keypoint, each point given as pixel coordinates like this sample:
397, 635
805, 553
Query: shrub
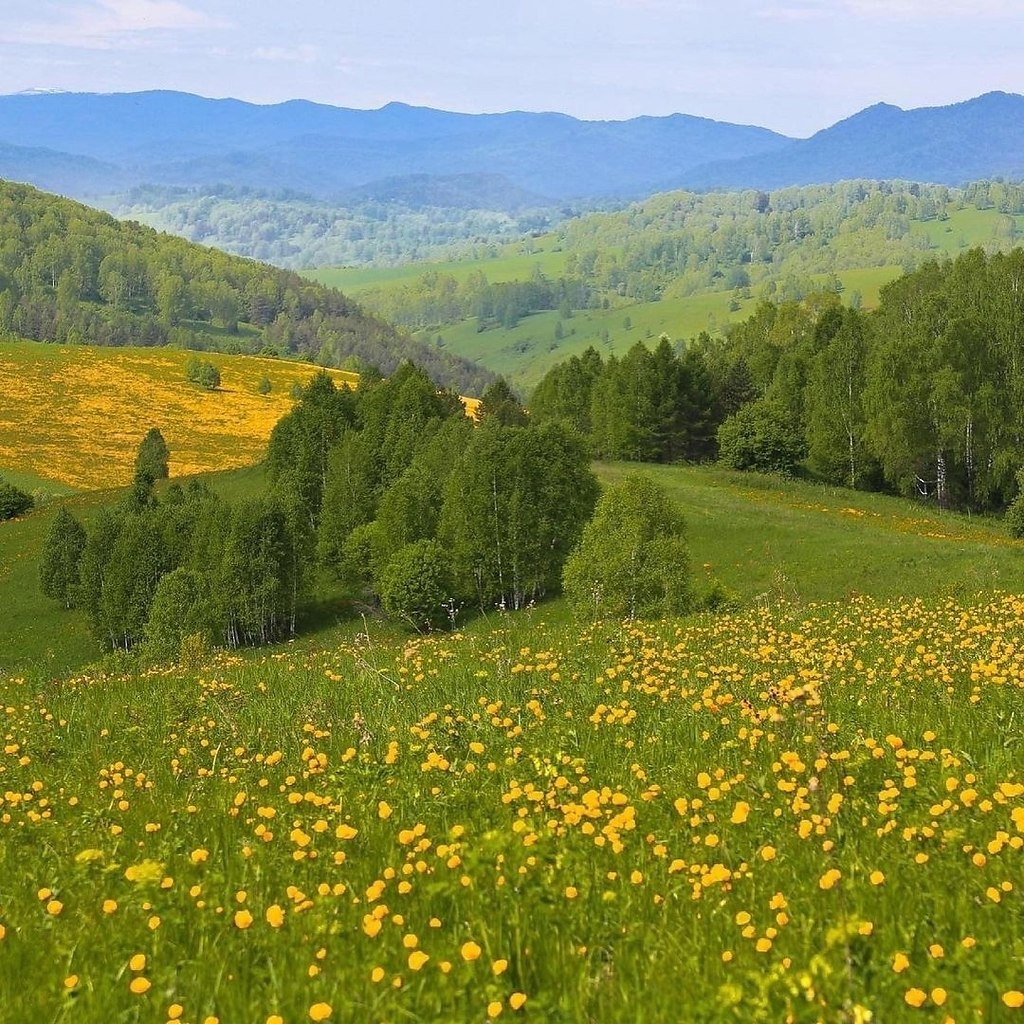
416, 584
632, 560
761, 436
1015, 513
13, 501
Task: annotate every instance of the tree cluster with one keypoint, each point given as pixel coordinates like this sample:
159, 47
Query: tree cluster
415, 508
156, 571
923, 396
658, 406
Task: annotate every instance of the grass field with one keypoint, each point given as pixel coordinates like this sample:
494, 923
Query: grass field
525, 352
74, 416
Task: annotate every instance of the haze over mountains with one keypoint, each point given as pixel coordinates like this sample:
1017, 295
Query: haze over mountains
88, 145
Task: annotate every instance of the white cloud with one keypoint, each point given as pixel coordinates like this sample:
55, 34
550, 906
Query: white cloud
110, 24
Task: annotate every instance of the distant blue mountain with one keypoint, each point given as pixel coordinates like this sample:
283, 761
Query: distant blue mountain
178, 139
979, 138
86, 144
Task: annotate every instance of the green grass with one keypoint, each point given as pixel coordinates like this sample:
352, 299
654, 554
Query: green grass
526, 352
769, 540
39, 487
515, 261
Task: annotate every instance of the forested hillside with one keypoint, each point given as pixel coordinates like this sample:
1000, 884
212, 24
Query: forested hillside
73, 275
681, 263
924, 396
393, 221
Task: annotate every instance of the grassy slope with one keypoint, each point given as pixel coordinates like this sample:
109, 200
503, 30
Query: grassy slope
525, 352
74, 415
782, 814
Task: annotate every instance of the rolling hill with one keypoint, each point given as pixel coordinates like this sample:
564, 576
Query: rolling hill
72, 274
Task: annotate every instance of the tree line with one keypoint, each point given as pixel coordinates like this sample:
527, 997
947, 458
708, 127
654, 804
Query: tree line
922, 397
74, 275
677, 244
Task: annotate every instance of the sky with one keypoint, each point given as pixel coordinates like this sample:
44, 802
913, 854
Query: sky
795, 66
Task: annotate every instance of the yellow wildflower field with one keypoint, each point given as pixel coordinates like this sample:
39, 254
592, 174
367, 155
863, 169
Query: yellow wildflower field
76, 415
778, 815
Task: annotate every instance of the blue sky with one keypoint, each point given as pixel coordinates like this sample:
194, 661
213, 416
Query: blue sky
794, 65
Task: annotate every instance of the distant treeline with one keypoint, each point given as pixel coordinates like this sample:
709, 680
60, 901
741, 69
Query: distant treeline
73, 275
388, 494
298, 231
678, 244
924, 396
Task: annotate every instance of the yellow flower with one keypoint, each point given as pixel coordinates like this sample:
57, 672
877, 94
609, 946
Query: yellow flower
517, 1000
243, 919
71, 981
320, 1011
137, 962
829, 879
1013, 999
384, 810
499, 966
275, 916
938, 996
470, 951
767, 853
876, 878
417, 958
140, 986
494, 1009
740, 812
109, 906
199, 855
54, 907
915, 997
900, 962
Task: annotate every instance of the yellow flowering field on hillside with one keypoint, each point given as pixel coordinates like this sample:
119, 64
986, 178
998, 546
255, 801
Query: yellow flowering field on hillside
777, 815
76, 415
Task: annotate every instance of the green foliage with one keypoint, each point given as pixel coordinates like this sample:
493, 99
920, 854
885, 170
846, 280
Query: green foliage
202, 372
59, 563
499, 404
686, 262
513, 509
68, 273
264, 387
182, 615
1015, 513
153, 457
13, 501
649, 407
632, 560
417, 583
763, 437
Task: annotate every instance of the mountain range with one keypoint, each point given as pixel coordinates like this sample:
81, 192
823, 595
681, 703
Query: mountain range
89, 144
179, 139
